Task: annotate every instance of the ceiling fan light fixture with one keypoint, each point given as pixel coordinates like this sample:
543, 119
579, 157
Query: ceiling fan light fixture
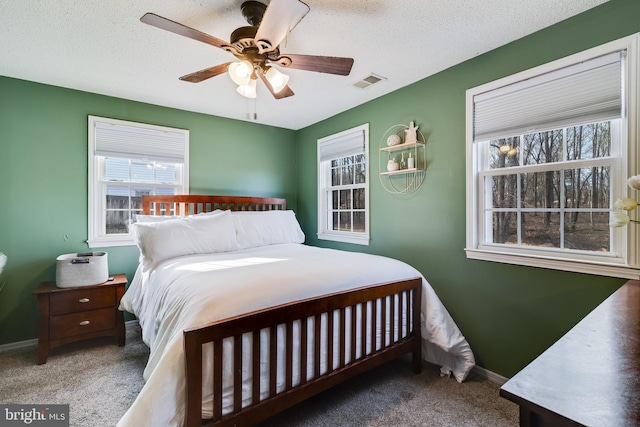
249, 89
240, 72
276, 79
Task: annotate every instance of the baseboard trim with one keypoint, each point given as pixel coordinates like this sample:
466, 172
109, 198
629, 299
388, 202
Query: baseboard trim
19, 344
491, 376
34, 342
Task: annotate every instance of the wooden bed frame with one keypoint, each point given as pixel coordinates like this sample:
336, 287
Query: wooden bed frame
391, 299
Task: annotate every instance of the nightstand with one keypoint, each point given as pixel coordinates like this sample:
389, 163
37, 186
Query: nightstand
73, 314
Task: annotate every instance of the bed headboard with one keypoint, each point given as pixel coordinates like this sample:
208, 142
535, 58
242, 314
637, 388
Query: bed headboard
186, 204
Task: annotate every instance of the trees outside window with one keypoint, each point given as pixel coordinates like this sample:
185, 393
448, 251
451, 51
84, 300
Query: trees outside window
551, 189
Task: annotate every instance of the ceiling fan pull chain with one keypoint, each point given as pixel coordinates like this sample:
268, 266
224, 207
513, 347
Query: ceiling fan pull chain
252, 114
255, 109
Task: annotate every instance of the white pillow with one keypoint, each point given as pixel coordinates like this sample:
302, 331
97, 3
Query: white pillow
261, 228
160, 218
147, 218
155, 218
199, 234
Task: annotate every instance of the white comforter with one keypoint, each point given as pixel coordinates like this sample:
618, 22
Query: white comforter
194, 290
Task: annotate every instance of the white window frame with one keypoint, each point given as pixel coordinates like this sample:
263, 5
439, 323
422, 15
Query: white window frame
96, 186
324, 182
624, 260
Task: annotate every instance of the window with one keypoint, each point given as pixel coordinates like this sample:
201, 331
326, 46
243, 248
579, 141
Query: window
127, 161
548, 152
343, 186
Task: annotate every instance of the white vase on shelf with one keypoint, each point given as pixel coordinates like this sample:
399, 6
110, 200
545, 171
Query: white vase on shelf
392, 165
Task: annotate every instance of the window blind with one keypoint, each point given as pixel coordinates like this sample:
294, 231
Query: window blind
590, 91
342, 146
131, 142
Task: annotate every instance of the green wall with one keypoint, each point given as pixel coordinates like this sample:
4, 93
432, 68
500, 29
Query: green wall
509, 314
43, 179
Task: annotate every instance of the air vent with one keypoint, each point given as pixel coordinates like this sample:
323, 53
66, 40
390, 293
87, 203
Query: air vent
371, 79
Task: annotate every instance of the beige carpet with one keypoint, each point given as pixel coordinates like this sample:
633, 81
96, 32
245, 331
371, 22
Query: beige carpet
100, 381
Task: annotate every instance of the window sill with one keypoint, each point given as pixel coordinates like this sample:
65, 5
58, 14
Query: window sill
358, 240
107, 243
576, 266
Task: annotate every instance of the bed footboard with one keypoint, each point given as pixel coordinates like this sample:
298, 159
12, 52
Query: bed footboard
394, 307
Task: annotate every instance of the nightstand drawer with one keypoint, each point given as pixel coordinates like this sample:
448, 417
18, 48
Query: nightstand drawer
82, 300
69, 325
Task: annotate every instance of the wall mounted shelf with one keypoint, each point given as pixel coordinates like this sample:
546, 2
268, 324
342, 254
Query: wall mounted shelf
404, 180
401, 171
401, 147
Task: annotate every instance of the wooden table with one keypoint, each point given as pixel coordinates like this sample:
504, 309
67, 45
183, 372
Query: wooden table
590, 376
72, 314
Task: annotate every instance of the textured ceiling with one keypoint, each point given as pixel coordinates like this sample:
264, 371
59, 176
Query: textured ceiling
102, 47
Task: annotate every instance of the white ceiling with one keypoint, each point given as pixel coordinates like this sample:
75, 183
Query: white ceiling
102, 47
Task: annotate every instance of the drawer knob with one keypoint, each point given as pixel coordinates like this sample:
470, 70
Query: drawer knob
83, 300
84, 323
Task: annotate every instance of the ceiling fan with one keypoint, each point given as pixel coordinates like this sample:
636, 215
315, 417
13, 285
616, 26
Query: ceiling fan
257, 48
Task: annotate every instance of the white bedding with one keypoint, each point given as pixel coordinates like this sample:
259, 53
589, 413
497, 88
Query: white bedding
194, 290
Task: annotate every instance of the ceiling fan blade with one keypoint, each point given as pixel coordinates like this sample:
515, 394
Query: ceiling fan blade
285, 92
279, 19
205, 74
183, 30
319, 64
